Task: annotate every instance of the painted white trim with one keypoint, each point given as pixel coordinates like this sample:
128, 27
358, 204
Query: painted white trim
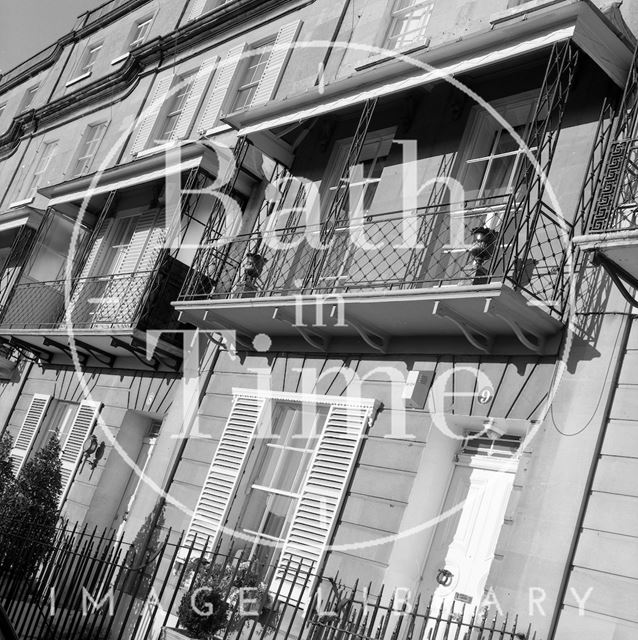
522, 9
222, 128
84, 76
490, 463
21, 203
156, 149
12, 224
308, 398
124, 56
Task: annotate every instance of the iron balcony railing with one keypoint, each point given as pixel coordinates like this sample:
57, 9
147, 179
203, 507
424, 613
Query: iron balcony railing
435, 247
617, 205
127, 300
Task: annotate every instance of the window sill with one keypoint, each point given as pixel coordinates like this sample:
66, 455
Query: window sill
156, 149
522, 9
21, 203
220, 128
380, 58
77, 79
121, 58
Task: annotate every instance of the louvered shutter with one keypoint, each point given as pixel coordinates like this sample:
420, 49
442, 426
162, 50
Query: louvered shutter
223, 80
146, 125
123, 294
132, 261
83, 423
96, 254
315, 516
197, 90
29, 429
81, 312
196, 9
224, 473
276, 62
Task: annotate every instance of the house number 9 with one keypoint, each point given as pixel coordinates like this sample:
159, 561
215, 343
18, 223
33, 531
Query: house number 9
485, 395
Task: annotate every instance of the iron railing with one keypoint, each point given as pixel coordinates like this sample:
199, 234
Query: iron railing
88, 584
617, 206
100, 302
430, 248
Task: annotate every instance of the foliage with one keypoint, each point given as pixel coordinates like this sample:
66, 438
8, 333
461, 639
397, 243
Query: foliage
143, 554
29, 510
6, 465
235, 589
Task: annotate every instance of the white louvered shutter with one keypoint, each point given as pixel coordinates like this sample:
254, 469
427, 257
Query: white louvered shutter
123, 294
196, 9
276, 62
197, 90
96, 254
147, 123
83, 423
315, 517
223, 80
29, 429
81, 311
226, 469
135, 258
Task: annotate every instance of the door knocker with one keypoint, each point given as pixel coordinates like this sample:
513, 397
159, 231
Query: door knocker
444, 577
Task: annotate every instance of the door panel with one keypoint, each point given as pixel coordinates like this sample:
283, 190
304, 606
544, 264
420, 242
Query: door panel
464, 543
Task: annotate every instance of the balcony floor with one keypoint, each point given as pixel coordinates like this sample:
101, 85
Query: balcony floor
619, 247
451, 319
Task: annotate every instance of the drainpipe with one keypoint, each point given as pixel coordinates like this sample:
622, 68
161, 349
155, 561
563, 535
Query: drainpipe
624, 335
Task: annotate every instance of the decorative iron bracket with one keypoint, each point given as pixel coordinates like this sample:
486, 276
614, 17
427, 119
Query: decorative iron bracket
528, 338
138, 352
65, 348
25, 349
241, 335
472, 334
315, 340
377, 341
618, 275
159, 354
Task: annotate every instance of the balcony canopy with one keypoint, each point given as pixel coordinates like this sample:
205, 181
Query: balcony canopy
506, 40
152, 166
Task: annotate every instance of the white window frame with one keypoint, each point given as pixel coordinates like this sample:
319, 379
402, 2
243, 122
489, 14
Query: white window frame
46, 153
29, 97
173, 109
236, 443
258, 534
396, 38
84, 151
89, 58
137, 40
248, 82
481, 126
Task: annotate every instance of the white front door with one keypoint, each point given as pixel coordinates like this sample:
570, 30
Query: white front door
464, 542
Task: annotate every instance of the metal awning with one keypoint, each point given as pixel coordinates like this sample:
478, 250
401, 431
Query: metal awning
508, 40
414, 81
20, 216
149, 168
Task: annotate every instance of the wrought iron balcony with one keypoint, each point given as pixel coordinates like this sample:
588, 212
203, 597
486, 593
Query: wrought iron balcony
106, 315
612, 230
391, 275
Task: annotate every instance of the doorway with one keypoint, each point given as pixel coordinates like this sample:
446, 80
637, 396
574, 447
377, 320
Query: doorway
465, 541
